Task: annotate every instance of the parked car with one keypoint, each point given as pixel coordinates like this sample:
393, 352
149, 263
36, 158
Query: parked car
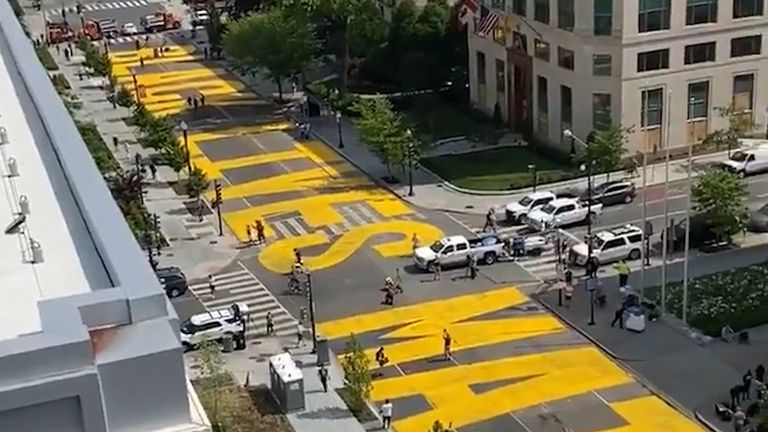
612, 193
129, 29
747, 161
563, 212
624, 242
200, 17
173, 281
454, 250
758, 220
215, 325
517, 212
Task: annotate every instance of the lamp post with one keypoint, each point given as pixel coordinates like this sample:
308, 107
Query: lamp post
136, 88
532, 170
184, 128
338, 126
590, 281
411, 154
311, 300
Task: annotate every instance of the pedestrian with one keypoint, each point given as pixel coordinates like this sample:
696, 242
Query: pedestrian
437, 269
141, 61
58, 49
297, 257
211, 285
323, 374
415, 241
739, 420
568, 277
195, 103
249, 234
473, 267
205, 52
592, 266
623, 269
760, 373
490, 220
389, 296
115, 142
260, 232
67, 55
299, 336
153, 170
386, 414
189, 101
381, 357
202, 99
618, 317
447, 344
735, 396
746, 382
468, 263
518, 248
270, 323
137, 44
568, 293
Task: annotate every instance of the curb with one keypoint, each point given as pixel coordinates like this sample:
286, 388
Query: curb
692, 414
703, 420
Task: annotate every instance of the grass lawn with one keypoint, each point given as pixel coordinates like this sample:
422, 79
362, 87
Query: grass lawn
435, 118
498, 169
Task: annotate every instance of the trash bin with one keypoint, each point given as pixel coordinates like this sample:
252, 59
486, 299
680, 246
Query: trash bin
228, 343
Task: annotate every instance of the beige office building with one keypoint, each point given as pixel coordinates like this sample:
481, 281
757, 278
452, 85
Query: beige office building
552, 65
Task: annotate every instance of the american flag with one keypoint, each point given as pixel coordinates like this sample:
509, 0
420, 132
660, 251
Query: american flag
487, 24
469, 10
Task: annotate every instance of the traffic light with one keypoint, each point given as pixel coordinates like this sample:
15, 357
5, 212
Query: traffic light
79, 8
217, 188
412, 152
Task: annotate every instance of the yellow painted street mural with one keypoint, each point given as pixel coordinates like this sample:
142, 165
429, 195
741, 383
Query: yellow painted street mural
332, 205
414, 335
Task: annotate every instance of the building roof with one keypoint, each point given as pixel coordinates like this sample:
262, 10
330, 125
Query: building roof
46, 250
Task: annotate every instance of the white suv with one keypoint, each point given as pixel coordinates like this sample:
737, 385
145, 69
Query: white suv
624, 242
214, 325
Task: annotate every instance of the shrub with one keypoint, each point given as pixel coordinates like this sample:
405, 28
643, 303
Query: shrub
60, 83
98, 149
46, 58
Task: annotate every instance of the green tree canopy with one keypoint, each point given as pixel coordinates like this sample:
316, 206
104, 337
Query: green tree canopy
383, 131
606, 148
275, 43
175, 156
359, 381
720, 199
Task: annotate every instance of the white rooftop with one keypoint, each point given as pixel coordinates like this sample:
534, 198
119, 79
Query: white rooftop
68, 262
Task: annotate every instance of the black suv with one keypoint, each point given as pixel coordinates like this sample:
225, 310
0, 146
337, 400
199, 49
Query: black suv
612, 192
173, 280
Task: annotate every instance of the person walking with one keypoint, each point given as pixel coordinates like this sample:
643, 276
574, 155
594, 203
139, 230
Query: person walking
386, 414
297, 257
415, 241
447, 340
592, 267
195, 104
735, 393
153, 170
189, 101
568, 294
299, 336
141, 61
618, 317
270, 324
760, 373
623, 269
437, 269
739, 420
249, 234
116, 143
211, 285
490, 220
746, 382
261, 238
202, 99
137, 44
322, 373
67, 54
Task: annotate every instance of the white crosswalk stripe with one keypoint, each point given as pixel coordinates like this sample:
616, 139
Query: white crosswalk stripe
241, 286
131, 38
90, 7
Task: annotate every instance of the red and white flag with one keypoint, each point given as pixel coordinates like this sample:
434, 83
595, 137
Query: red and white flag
487, 24
469, 10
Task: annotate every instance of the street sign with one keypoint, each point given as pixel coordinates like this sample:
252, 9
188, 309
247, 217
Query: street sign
591, 284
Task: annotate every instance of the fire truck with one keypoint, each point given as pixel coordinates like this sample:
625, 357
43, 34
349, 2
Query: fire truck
98, 29
58, 31
160, 21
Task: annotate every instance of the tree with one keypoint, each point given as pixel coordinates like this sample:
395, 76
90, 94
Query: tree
141, 115
606, 148
196, 184
345, 17
275, 43
214, 382
382, 131
740, 123
720, 199
125, 187
175, 156
359, 381
157, 133
123, 97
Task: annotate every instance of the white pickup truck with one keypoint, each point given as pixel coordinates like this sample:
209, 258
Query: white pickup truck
453, 251
563, 212
517, 212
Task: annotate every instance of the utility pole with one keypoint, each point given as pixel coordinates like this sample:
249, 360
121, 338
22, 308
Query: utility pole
687, 233
667, 232
217, 205
644, 252
311, 300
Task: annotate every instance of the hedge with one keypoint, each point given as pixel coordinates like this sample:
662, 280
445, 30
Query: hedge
46, 59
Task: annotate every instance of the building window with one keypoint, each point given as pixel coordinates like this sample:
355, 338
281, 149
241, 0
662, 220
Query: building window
541, 49
601, 65
497, 4
500, 35
520, 7
603, 17
542, 102
653, 15
698, 100
601, 110
566, 105
653, 60
652, 108
746, 46
701, 12
500, 76
520, 41
541, 11
565, 15
565, 58
480, 68
747, 8
744, 92
700, 53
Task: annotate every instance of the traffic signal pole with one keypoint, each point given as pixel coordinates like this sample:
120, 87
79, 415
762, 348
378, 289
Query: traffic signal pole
217, 205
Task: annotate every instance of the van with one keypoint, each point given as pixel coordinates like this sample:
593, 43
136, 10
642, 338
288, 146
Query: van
747, 161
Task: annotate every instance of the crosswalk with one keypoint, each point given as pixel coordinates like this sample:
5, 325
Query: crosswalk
241, 286
355, 214
140, 37
90, 7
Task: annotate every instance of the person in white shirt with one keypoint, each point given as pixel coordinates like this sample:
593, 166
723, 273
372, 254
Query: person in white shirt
386, 414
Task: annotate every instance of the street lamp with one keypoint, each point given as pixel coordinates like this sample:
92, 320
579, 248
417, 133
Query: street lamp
532, 170
311, 300
590, 281
338, 126
184, 128
136, 88
411, 154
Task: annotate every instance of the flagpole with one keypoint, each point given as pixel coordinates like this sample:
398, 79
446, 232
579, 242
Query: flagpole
643, 249
667, 232
687, 232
